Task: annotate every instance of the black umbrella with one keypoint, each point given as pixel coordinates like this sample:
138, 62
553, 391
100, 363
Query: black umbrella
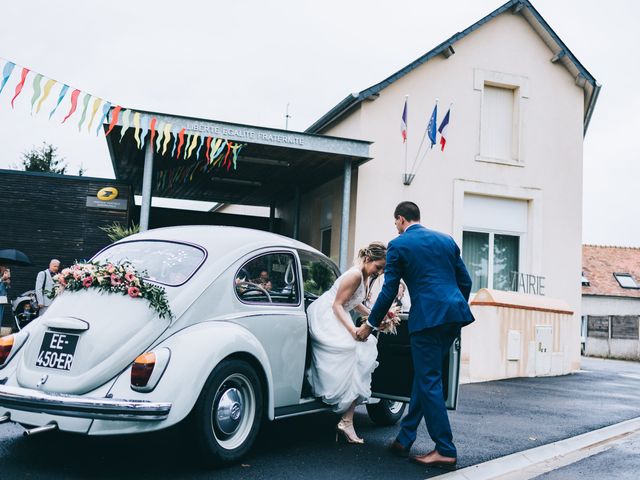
11, 256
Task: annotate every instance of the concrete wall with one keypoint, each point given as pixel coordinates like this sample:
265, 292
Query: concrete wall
603, 306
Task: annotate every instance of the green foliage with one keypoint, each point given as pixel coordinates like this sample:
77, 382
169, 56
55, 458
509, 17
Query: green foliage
116, 231
320, 279
43, 159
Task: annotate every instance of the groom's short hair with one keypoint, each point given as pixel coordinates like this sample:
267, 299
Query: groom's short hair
408, 210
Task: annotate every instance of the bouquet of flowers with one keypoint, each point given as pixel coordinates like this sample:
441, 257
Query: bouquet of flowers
391, 321
121, 278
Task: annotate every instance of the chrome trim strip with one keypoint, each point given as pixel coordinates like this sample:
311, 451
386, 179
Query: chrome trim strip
395, 398
25, 399
302, 412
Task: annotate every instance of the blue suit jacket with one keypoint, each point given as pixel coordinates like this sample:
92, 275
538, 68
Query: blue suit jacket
439, 285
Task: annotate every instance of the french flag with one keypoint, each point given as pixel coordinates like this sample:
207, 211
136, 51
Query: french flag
443, 130
403, 123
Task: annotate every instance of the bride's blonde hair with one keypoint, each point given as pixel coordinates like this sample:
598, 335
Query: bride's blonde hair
373, 252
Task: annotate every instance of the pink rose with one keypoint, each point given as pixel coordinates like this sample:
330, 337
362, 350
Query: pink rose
62, 281
111, 268
115, 280
133, 292
66, 272
130, 277
77, 274
87, 281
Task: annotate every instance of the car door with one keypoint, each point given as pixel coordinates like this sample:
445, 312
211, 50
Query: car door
393, 378
268, 288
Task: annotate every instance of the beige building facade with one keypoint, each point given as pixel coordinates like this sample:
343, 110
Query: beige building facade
508, 185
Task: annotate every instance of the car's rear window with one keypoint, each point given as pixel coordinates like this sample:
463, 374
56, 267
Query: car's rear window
169, 263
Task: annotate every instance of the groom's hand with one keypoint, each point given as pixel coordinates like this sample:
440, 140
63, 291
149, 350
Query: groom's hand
363, 332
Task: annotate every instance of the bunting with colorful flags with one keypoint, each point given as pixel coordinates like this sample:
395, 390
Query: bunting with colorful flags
207, 153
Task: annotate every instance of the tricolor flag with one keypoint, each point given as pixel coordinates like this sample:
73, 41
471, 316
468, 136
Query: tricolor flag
443, 129
431, 127
403, 123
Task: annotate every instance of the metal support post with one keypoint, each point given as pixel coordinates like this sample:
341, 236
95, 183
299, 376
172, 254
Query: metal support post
147, 178
344, 227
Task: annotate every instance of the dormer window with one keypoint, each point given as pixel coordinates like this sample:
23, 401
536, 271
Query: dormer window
585, 281
626, 280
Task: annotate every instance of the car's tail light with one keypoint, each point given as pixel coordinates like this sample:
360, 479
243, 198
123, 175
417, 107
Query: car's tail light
6, 344
148, 368
142, 369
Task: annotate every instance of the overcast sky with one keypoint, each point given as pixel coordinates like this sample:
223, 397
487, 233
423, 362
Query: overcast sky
243, 61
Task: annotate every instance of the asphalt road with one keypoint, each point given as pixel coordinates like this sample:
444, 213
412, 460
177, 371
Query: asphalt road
493, 419
621, 462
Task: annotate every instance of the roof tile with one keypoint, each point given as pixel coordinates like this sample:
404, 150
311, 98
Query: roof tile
599, 263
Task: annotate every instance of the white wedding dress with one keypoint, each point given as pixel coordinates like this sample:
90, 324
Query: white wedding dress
341, 367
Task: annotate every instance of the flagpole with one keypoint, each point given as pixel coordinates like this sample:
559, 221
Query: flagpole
406, 142
417, 164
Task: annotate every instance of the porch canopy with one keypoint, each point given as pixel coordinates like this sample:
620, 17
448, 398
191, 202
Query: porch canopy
273, 165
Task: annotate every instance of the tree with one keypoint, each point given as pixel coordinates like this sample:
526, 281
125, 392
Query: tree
44, 159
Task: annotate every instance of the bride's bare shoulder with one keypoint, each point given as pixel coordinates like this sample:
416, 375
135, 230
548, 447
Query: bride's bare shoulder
351, 278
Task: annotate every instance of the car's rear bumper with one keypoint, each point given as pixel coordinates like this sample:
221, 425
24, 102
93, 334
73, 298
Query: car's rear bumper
28, 400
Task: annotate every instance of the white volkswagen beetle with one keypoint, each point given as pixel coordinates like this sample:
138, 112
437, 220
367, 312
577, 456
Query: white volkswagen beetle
234, 351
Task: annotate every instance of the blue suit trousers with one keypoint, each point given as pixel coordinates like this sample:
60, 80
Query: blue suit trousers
429, 350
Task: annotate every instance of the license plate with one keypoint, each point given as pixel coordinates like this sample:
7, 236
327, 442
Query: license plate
57, 350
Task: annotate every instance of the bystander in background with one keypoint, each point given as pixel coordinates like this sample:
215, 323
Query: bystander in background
44, 284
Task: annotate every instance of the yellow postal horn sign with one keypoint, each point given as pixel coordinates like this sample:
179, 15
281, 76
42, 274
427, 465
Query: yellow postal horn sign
107, 193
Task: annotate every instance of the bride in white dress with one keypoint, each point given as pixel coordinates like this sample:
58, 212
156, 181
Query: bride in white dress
341, 367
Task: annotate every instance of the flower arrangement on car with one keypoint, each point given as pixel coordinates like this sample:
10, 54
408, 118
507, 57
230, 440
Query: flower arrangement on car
119, 278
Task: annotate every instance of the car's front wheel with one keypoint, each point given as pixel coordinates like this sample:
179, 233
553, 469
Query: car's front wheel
228, 413
386, 412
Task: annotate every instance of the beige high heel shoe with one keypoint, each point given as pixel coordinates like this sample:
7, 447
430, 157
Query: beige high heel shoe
343, 427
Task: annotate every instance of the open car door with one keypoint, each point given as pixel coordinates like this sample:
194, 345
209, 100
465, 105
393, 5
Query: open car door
393, 378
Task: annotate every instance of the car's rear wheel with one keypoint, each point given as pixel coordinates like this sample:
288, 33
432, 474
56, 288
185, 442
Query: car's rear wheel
386, 412
228, 413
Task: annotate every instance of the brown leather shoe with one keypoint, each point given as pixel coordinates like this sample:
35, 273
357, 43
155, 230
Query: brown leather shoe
435, 459
396, 448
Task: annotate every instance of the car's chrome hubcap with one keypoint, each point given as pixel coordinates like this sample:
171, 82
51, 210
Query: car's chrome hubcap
233, 411
394, 407
229, 411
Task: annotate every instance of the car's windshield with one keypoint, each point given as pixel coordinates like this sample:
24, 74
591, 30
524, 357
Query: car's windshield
169, 263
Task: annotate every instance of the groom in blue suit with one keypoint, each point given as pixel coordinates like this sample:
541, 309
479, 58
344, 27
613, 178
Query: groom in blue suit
439, 285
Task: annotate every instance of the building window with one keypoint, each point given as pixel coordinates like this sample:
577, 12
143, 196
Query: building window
492, 259
326, 222
502, 96
499, 124
626, 280
585, 281
325, 241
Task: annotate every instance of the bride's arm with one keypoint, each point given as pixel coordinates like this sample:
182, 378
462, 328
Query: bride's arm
348, 287
362, 309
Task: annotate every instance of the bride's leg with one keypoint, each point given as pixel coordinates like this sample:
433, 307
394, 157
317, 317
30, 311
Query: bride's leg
345, 425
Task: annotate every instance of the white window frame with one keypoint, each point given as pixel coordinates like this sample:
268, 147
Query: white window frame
530, 242
492, 234
520, 85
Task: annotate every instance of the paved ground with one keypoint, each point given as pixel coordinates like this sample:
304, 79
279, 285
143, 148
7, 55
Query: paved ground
621, 462
493, 419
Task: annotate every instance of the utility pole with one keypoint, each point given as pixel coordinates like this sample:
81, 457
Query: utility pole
286, 118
